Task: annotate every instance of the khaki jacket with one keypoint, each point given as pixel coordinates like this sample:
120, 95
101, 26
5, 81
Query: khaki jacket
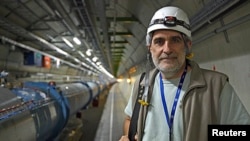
200, 102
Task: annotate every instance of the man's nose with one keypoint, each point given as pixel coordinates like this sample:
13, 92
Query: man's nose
166, 47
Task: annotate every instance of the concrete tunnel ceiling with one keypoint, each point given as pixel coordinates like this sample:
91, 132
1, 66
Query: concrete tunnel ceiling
113, 31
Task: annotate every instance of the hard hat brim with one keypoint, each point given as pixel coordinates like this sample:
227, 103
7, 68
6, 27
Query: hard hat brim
175, 28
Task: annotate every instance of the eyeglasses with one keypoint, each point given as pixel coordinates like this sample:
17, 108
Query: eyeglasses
171, 22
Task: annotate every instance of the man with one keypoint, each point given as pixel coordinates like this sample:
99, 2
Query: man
185, 99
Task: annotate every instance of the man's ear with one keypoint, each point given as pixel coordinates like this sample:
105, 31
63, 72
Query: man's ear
189, 53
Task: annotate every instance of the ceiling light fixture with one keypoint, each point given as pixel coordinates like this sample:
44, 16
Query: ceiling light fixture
94, 59
88, 52
67, 42
77, 41
98, 63
81, 54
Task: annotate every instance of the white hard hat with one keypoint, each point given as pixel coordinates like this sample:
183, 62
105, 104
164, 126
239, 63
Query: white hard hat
169, 17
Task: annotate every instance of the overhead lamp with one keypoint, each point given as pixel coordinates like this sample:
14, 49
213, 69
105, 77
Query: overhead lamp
76, 40
81, 54
106, 72
98, 63
94, 59
62, 52
129, 80
77, 60
88, 52
67, 42
85, 64
57, 63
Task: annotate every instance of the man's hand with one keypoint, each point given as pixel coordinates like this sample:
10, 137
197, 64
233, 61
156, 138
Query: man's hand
124, 138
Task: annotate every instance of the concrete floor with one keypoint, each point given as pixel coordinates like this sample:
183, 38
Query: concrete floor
91, 118
98, 123
111, 124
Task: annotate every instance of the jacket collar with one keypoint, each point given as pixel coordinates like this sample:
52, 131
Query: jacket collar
196, 78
